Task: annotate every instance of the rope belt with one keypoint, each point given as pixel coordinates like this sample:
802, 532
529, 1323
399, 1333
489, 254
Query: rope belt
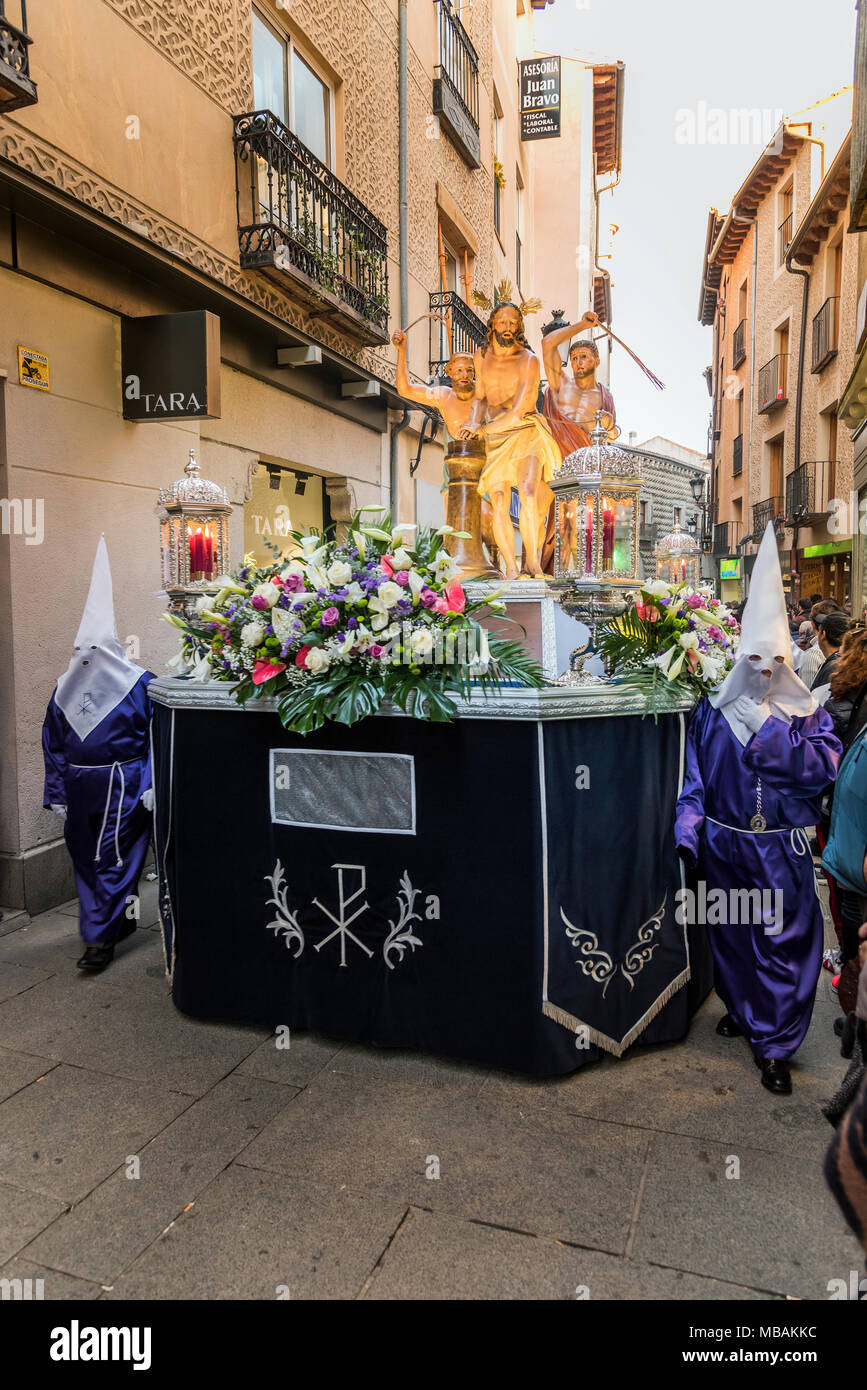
799, 838
120, 768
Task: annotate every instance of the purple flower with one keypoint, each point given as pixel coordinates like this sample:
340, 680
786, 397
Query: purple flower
299, 606
352, 623
428, 598
695, 601
258, 603
294, 583
329, 617
402, 577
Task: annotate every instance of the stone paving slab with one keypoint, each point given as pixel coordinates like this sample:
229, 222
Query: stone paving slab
294, 1065
17, 1071
15, 979
89, 1022
776, 1227
50, 943
400, 1064
54, 1284
252, 1233
63, 1135
109, 1228
540, 1171
440, 1257
22, 1215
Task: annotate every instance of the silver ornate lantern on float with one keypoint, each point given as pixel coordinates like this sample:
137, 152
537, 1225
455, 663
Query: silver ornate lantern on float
597, 530
194, 538
678, 558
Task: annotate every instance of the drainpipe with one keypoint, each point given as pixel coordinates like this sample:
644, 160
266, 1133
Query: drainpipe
401, 424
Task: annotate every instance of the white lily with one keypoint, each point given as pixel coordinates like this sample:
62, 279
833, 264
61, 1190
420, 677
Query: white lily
376, 533
317, 576
416, 584
402, 559
404, 526
309, 544
202, 670
360, 543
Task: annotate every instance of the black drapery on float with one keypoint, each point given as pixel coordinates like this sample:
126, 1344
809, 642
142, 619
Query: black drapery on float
461, 889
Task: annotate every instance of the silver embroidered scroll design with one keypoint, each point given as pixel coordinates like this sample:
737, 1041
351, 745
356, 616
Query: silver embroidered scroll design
400, 936
596, 963
599, 965
285, 924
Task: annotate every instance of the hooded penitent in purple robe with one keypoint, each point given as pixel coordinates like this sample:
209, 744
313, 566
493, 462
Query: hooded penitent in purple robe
96, 748
760, 752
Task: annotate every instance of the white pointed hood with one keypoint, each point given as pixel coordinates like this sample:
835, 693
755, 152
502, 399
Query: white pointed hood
99, 675
764, 634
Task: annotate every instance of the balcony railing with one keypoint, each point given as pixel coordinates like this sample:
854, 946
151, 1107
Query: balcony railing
737, 455
809, 492
739, 349
726, 537
825, 334
771, 509
17, 88
463, 330
772, 383
785, 236
298, 221
456, 85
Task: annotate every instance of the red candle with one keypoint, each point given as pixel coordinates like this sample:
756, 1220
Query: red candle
195, 554
207, 555
607, 536
588, 548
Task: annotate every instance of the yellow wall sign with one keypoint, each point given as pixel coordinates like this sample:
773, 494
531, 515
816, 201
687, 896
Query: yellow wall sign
33, 369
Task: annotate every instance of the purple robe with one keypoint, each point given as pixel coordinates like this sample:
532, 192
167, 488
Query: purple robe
766, 981
100, 780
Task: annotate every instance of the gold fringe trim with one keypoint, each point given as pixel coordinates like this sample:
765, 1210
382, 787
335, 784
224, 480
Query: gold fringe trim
602, 1040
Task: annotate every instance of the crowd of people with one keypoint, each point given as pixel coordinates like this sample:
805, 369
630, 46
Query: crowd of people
776, 767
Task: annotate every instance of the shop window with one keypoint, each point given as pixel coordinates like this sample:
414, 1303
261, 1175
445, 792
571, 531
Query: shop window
283, 499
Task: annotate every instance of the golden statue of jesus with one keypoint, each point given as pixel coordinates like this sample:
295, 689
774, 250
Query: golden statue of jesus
522, 452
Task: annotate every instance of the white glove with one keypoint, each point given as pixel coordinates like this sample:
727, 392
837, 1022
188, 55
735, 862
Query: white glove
749, 713
147, 800
60, 810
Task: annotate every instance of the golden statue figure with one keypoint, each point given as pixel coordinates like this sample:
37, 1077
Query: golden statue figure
522, 452
465, 456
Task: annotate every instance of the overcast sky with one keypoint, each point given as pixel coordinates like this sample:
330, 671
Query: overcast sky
764, 54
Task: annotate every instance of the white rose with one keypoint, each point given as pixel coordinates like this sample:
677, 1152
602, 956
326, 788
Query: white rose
203, 603
659, 588
317, 660
389, 593
340, 573
268, 591
252, 634
422, 641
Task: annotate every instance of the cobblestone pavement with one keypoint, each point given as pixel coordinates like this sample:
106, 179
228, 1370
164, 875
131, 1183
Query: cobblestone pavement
310, 1172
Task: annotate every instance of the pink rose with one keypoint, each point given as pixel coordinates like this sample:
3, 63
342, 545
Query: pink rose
695, 601
455, 596
375, 650
402, 577
428, 598
266, 670
259, 603
293, 582
329, 617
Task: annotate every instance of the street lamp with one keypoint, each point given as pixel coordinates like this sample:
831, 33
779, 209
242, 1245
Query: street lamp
696, 484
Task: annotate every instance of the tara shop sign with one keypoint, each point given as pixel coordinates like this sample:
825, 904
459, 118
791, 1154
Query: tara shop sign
170, 366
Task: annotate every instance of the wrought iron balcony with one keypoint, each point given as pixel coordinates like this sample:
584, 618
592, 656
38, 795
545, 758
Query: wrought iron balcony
463, 330
825, 334
298, 222
809, 492
17, 88
771, 509
772, 383
456, 85
726, 537
739, 339
737, 455
785, 232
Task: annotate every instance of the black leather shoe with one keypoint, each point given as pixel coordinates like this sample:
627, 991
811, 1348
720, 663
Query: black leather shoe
775, 1076
727, 1028
95, 959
